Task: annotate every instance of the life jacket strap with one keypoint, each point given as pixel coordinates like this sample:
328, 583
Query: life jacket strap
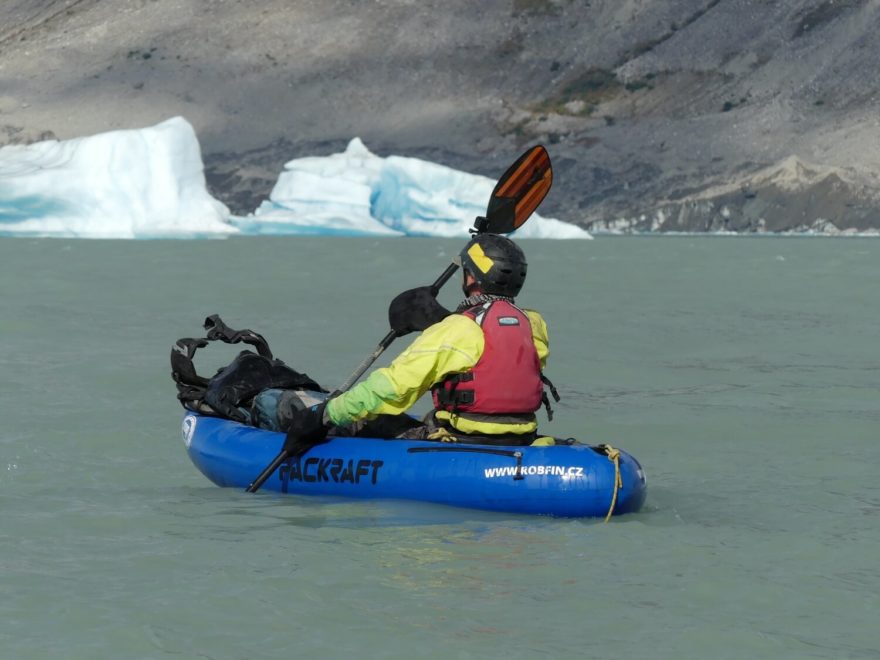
447, 394
544, 398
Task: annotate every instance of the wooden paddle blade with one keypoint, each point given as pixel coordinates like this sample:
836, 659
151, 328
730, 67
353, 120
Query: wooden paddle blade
519, 192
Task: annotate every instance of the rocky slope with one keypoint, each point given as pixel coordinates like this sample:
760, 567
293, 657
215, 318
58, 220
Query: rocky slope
659, 115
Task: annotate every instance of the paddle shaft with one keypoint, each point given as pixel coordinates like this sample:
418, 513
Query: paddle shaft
265, 474
390, 337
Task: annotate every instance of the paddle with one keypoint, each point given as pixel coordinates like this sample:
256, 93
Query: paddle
517, 194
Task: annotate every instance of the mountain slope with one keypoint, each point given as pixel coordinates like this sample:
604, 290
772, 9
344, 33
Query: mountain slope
643, 105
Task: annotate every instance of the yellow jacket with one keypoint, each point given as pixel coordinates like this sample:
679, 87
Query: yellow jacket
454, 345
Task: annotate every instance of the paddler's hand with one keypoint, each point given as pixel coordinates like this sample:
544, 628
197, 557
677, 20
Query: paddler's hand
415, 310
307, 429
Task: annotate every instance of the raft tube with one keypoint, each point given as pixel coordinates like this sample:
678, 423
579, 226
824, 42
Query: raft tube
564, 480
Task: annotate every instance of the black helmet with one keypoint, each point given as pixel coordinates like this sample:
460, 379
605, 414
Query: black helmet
496, 262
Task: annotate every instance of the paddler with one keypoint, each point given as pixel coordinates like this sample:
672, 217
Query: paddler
483, 364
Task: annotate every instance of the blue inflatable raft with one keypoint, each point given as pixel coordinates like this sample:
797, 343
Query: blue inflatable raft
563, 480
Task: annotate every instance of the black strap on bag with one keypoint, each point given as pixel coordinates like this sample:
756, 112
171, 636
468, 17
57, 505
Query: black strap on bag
217, 329
236, 384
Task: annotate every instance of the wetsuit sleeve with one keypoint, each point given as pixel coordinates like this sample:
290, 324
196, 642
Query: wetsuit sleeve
451, 346
539, 335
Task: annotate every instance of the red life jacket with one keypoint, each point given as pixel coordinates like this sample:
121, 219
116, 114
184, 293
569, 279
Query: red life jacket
507, 377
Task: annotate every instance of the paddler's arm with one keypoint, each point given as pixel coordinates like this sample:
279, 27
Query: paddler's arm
539, 335
451, 346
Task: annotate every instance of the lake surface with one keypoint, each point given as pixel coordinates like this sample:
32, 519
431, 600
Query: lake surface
743, 373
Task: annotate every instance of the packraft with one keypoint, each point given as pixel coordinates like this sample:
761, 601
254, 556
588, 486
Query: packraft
234, 424
568, 479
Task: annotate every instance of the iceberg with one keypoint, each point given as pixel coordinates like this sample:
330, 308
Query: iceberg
359, 193
146, 183
150, 183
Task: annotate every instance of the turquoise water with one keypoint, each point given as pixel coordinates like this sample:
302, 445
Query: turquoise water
744, 374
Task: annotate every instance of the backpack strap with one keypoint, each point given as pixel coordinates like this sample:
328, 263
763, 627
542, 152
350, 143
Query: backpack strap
217, 329
190, 386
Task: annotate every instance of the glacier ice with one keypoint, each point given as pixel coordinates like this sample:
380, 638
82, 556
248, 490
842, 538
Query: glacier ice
358, 192
144, 183
150, 183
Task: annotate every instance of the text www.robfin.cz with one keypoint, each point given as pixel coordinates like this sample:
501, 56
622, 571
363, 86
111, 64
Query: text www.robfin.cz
532, 470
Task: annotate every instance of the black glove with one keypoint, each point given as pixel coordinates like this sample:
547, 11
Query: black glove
415, 309
306, 430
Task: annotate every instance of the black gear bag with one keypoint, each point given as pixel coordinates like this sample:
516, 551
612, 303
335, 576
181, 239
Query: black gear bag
233, 387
